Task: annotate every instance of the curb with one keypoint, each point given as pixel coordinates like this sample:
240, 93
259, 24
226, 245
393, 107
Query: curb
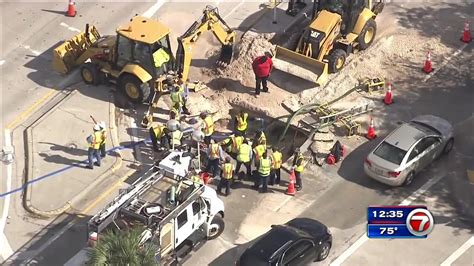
28, 140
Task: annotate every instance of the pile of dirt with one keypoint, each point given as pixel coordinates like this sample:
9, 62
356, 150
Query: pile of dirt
250, 46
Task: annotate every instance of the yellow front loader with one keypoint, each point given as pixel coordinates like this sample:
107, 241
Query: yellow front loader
340, 26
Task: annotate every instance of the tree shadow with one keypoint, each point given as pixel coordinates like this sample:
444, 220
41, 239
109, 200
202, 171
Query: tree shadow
444, 20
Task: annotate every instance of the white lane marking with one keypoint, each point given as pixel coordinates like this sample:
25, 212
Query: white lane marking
133, 126
153, 9
27, 47
69, 27
453, 257
234, 9
2, 62
5, 248
446, 61
348, 252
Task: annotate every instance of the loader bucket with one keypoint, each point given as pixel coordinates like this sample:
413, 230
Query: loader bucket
71, 52
300, 65
227, 52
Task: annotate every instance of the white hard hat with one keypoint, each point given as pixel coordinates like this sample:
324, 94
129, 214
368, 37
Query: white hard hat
96, 127
102, 124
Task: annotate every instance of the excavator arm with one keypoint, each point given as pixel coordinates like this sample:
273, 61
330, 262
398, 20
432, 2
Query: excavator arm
209, 21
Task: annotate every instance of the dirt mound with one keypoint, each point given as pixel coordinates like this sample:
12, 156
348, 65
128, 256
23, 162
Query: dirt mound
250, 46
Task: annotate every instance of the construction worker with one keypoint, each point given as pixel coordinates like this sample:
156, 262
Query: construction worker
207, 126
262, 66
175, 114
227, 173
94, 141
178, 99
241, 123
276, 157
215, 154
260, 139
176, 137
183, 89
258, 152
160, 57
103, 130
244, 156
156, 134
226, 144
264, 169
236, 141
298, 167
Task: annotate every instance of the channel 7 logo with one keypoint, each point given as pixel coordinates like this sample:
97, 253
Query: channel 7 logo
420, 222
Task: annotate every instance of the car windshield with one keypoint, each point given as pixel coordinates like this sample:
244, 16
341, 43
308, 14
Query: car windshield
390, 153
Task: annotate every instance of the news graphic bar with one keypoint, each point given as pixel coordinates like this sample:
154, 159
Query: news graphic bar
399, 222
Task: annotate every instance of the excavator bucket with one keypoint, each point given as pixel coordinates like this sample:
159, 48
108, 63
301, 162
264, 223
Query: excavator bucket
227, 53
300, 65
73, 51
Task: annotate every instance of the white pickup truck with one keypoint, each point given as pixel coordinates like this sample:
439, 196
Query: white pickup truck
177, 215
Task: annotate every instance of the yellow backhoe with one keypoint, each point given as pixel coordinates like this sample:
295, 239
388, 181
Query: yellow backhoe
139, 57
339, 27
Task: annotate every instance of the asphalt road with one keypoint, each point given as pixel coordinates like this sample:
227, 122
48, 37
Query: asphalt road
34, 29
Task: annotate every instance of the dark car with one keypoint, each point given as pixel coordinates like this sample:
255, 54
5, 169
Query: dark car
298, 242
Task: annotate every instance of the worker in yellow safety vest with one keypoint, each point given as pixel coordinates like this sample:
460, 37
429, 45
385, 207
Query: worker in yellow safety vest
258, 153
156, 133
94, 141
207, 126
160, 57
264, 169
276, 157
179, 98
227, 173
176, 137
260, 139
103, 130
244, 156
298, 167
236, 142
241, 123
215, 154
175, 114
226, 144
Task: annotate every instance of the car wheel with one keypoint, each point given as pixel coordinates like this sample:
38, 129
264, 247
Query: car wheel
324, 252
216, 227
367, 35
449, 146
409, 179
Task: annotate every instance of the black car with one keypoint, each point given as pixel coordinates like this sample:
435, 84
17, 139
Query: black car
298, 242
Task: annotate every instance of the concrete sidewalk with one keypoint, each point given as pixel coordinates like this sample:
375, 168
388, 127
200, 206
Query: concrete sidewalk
57, 151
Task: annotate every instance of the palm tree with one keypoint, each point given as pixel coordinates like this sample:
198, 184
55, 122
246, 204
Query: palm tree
122, 248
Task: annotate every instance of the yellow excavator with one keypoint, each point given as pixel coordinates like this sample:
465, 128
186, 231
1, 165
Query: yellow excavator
339, 27
139, 58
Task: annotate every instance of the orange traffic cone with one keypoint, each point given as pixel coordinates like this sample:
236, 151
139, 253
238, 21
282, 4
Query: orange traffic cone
71, 9
291, 185
428, 67
371, 131
388, 95
466, 35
